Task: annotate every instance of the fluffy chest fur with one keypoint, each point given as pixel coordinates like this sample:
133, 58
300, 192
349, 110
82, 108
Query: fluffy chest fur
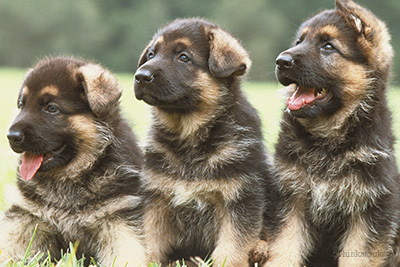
333, 185
212, 166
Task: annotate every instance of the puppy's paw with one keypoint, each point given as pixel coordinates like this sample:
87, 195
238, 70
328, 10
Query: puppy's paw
259, 254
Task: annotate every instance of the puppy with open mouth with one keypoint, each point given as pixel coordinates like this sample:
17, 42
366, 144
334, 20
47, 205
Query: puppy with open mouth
79, 172
334, 161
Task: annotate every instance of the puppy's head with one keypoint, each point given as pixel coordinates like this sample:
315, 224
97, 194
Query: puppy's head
186, 64
64, 104
337, 55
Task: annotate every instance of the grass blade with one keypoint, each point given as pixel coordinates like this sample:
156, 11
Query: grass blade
27, 253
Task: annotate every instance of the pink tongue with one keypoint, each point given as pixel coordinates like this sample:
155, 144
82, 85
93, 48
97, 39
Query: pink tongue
29, 165
301, 97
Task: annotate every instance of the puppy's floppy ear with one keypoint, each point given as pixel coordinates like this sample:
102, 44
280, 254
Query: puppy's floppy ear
102, 89
227, 55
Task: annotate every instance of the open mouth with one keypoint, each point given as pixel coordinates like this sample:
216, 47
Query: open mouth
304, 97
31, 163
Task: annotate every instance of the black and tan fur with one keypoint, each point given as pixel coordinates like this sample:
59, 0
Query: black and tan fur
334, 159
86, 187
204, 161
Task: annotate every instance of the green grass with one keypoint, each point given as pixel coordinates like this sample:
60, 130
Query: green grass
69, 259
264, 96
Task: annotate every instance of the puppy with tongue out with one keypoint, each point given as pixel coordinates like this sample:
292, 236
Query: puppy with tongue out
334, 160
79, 170
303, 97
30, 164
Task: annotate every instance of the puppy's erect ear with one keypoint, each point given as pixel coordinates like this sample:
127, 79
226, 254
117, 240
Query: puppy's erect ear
102, 89
227, 55
361, 18
372, 29
347, 7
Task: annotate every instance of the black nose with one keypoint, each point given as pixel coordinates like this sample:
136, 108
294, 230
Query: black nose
143, 76
15, 137
284, 61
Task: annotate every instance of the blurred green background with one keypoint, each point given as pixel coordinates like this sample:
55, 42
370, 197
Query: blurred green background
115, 32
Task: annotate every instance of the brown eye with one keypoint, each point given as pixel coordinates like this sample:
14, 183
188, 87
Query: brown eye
183, 58
52, 108
150, 55
328, 47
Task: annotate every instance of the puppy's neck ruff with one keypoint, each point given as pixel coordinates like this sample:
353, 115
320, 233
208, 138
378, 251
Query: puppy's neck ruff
184, 125
187, 125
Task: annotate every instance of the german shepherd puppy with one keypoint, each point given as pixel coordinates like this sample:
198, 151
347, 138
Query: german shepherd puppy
79, 171
204, 162
334, 158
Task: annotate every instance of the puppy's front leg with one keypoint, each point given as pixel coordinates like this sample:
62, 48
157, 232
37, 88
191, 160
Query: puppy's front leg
291, 245
232, 247
122, 243
17, 228
158, 229
357, 252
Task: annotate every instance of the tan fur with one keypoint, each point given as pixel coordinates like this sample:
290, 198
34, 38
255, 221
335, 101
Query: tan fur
229, 248
183, 191
291, 244
116, 238
356, 243
10, 231
305, 31
122, 245
25, 92
379, 253
92, 139
292, 177
357, 250
183, 40
330, 30
49, 90
226, 53
70, 223
211, 89
159, 40
226, 152
159, 232
101, 87
367, 154
188, 124
349, 195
